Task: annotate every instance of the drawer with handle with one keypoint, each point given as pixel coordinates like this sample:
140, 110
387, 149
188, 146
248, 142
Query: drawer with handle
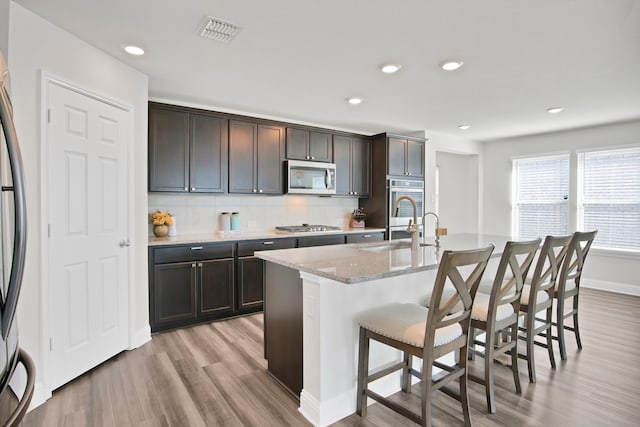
365, 237
247, 248
194, 252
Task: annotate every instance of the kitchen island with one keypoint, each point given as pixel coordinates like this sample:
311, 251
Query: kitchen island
312, 299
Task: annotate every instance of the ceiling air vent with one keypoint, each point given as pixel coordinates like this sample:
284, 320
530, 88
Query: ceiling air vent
219, 30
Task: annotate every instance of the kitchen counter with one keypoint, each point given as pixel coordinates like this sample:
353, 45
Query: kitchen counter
313, 297
362, 262
227, 236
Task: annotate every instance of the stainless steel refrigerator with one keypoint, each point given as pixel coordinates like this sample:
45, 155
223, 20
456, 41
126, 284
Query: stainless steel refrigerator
13, 239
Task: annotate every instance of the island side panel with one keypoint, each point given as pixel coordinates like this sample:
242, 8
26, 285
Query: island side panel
283, 325
330, 340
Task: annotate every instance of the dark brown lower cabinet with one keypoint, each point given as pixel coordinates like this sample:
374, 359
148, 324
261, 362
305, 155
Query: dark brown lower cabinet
250, 292
200, 282
251, 270
188, 286
174, 292
216, 283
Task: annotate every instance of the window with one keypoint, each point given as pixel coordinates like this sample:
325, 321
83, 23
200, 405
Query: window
609, 197
541, 193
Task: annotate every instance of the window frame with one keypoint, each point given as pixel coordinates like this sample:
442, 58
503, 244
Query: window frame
580, 202
515, 203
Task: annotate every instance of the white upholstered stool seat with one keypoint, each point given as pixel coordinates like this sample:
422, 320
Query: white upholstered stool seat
480, 309
526, 291
406, 323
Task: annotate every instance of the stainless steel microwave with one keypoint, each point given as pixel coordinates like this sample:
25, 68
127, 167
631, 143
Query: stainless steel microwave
311, 177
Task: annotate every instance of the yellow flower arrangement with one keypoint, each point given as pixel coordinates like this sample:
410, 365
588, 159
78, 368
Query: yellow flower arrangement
161, 218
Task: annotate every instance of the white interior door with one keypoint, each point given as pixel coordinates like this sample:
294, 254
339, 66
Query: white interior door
87, 189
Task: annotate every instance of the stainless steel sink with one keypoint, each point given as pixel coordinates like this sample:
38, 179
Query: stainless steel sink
387, 246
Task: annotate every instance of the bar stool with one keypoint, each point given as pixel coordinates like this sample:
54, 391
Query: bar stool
425, 333
15, 418
497, 314
537, 297
568, 287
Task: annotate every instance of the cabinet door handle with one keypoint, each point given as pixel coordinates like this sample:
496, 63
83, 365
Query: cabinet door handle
200, 264
366, 236
186, 188
313, 158
196, 248
193, 265
267, 243
260, 191
193, 188
254, 190
355, 192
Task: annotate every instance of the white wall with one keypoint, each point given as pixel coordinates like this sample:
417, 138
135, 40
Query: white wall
458, 192
35, 45
496, 167
200, 213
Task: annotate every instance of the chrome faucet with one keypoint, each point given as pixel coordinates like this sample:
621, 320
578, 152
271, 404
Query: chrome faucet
412, 229
424, 231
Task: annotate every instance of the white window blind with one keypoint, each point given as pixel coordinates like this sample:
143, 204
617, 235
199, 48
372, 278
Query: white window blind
541, 195
609, 197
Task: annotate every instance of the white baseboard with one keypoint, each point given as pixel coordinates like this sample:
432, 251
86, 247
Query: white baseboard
40, 395
140, 337
620, 288
327, 412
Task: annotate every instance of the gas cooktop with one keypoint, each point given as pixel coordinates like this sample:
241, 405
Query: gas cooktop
306, 228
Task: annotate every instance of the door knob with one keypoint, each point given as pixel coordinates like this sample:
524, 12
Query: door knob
124, 243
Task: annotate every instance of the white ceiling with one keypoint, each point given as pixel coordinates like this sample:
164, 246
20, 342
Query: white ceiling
300, 59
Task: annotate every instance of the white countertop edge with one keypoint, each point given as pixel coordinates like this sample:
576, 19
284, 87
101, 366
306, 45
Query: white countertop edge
249, 235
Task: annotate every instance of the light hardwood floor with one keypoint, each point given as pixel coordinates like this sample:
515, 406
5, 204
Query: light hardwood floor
215, 374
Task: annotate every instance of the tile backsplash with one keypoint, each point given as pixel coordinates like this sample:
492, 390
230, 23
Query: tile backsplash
200, 213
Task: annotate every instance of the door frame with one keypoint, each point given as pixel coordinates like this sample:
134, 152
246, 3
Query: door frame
47, 79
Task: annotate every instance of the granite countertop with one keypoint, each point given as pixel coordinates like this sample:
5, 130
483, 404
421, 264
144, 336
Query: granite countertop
361, 262
228, 236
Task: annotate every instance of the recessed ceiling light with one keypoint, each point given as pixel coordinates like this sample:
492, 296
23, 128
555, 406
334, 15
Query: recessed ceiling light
390, 68
450, 65
554, 110
133, 50
464, 127
354, 100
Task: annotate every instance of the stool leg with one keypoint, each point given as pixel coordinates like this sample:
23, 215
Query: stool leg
488, 370
464, 393
406, 373
560, 328
531, 365
426, 389
575, 321
552, 358
363, 372
514, 357
472, 346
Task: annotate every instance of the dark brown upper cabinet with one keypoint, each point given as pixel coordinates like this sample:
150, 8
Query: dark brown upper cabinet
405, 157
187, 151
352, 156
255, 158
308, 145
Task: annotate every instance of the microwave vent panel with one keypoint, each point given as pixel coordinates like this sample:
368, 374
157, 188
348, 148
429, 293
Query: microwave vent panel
218, 30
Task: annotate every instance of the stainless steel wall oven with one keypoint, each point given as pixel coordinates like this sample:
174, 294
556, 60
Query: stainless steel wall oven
404, 187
